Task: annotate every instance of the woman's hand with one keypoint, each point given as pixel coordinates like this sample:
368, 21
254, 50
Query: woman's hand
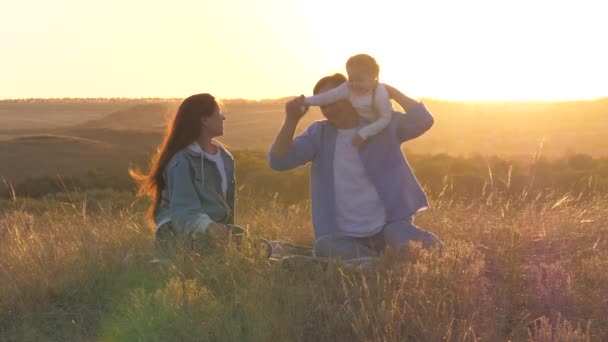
218, 231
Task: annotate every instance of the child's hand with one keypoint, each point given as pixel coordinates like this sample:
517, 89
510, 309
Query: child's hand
358, 140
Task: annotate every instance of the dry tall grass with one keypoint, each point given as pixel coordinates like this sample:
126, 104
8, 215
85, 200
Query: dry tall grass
78, 268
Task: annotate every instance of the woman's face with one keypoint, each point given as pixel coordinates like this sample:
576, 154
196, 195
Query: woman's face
213, 125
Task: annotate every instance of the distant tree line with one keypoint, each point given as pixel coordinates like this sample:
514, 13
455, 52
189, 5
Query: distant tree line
87, 100
128, 101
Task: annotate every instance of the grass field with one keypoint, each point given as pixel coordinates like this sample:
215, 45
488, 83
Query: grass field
77, 267
526, 254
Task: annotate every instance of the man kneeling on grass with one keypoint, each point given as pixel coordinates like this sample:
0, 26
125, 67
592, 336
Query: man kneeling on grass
363, 199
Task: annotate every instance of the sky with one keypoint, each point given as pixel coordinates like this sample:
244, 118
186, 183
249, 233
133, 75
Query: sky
256, 49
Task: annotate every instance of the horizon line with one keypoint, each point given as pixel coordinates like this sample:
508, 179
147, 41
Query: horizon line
422, 98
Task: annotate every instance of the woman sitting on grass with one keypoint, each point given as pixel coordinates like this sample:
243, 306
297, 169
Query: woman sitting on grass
191, 181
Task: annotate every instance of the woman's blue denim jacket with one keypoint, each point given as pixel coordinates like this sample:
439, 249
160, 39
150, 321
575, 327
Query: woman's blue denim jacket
192, 197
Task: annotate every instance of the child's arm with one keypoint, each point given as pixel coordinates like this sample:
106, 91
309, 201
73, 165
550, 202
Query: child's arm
384, 108
330, 96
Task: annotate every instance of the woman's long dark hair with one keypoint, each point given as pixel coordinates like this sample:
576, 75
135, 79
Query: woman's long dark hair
183, 130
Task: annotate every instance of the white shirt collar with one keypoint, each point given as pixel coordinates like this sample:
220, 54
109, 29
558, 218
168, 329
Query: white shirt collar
196, 148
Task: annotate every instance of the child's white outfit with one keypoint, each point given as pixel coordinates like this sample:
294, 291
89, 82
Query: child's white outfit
375, 108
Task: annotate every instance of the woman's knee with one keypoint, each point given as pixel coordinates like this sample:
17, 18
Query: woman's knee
165, 239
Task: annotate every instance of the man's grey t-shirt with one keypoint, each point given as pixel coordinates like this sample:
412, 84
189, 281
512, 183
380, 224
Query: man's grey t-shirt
359, 211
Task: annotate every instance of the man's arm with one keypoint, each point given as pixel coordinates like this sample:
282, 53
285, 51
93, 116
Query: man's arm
284, 139
418, 119
407, 103
286, 152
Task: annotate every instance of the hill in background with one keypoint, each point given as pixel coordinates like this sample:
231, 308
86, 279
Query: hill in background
70, 136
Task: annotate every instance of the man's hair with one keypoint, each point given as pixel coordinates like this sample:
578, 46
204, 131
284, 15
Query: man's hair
335, 80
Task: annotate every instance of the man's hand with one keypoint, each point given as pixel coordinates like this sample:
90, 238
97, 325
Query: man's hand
294, 111
392, 92
296, 108
404, 101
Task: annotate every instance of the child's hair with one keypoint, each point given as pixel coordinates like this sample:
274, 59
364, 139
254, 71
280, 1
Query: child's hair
364, 62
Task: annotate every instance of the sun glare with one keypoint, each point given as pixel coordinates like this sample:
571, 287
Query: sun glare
474, 50
466, 50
